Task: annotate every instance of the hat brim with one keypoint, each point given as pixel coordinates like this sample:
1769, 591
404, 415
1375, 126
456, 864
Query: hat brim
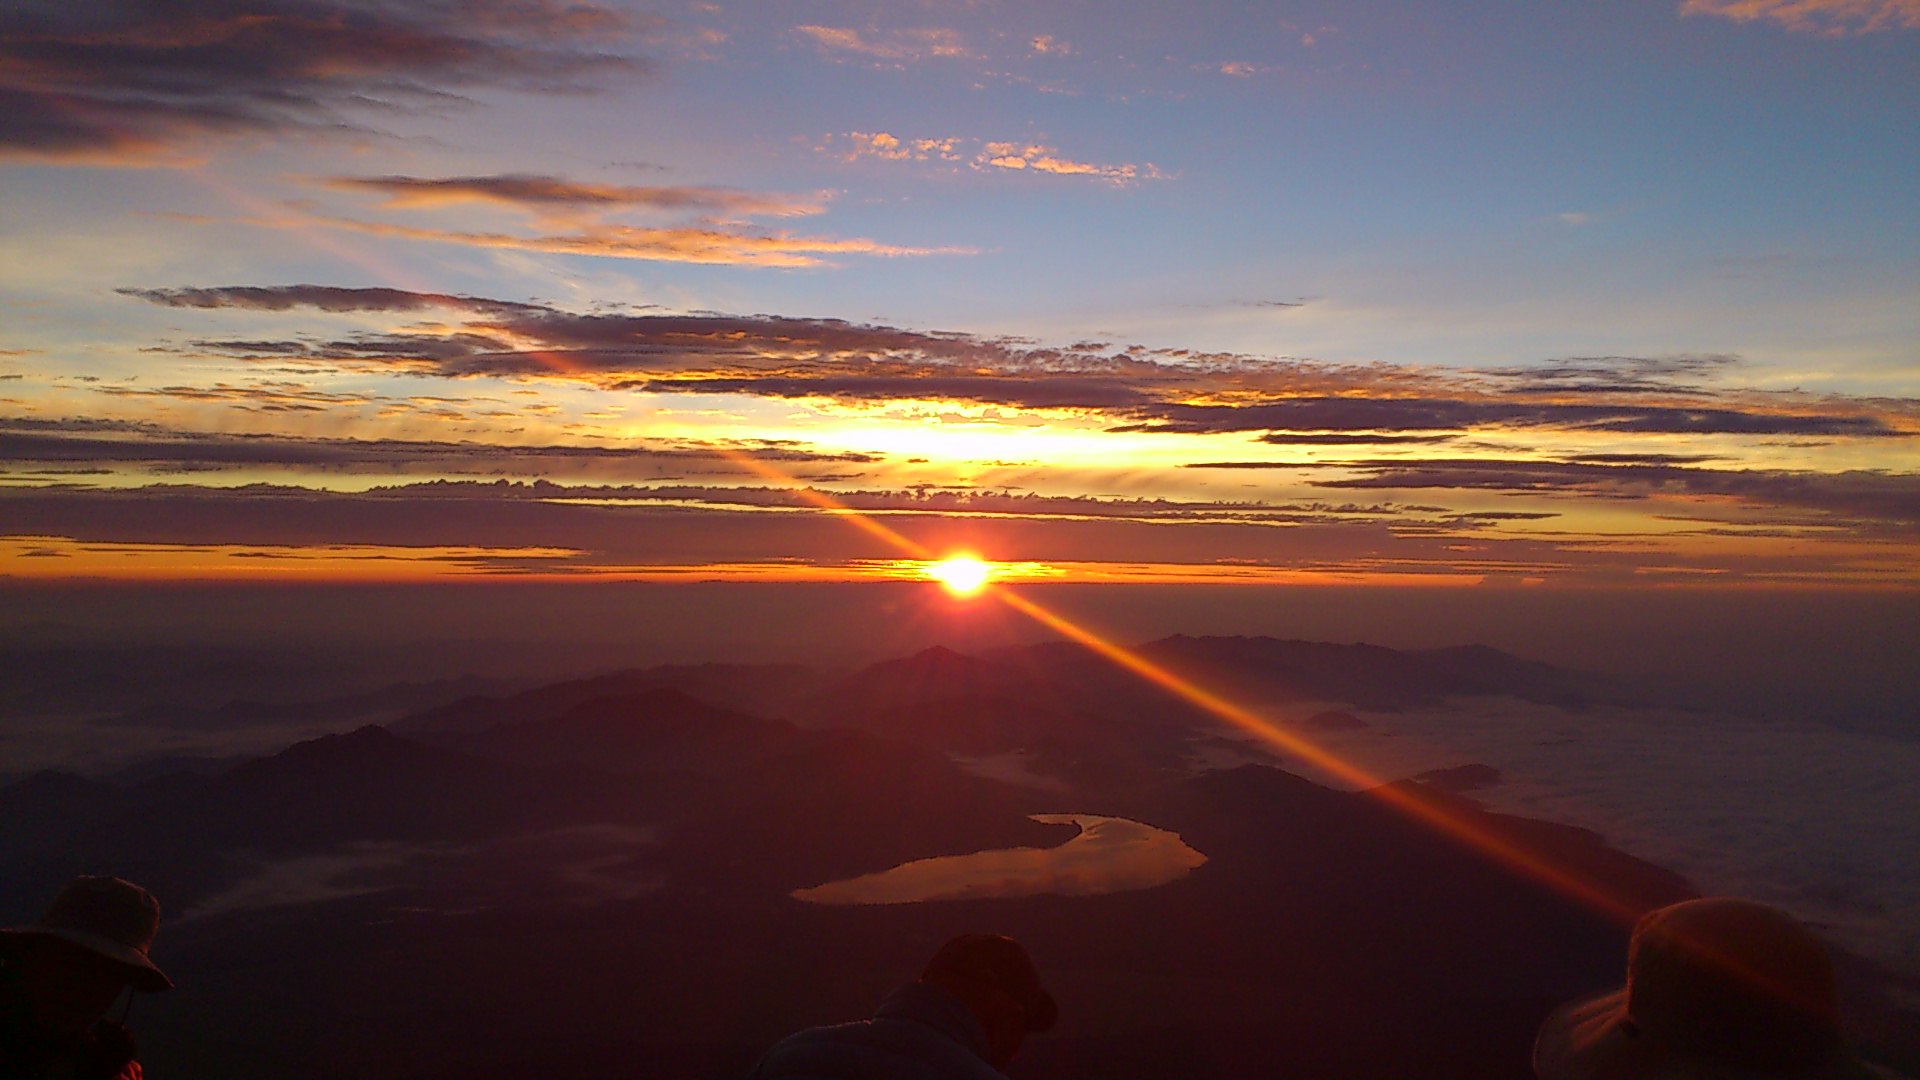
141, 973
1592, 1038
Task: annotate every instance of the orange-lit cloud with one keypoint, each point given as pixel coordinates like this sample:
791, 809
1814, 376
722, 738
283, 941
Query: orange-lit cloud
1891, 499
30, 557
711, 245
551, 529
1584, 468
891, 47
551, 195
576, 215
981, 155
1002, 155
1166, 391
1828, 18
888, 147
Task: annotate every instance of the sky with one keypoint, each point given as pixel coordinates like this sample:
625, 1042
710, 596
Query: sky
1611, 296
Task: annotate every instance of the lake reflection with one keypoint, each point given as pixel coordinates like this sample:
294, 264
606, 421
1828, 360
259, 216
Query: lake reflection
1110, 855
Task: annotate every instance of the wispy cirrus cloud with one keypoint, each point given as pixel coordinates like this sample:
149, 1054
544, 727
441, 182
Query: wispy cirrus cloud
1827, 18
1238, 69
1620, 374
1802, 504
1045, 159
572, 217
888, 48
676, 529
1387, 413
130, 84
1345, 438
770, 356
550, 196
331, 298
1871, 495
981, 155
885, 146
704, 244
25, 442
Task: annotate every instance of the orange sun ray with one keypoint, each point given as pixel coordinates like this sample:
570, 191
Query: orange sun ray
1448, 823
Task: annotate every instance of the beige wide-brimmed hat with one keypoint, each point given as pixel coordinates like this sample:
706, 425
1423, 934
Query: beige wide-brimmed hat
108, 917
1716, 988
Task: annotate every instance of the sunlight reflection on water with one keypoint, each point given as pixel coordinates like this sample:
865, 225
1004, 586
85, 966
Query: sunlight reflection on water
1110, 855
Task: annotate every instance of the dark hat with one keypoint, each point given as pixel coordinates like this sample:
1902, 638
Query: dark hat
1715, 987
993, 962
108, 917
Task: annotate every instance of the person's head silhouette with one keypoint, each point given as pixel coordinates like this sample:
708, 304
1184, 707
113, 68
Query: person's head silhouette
996, 979
62, 974
1717, 987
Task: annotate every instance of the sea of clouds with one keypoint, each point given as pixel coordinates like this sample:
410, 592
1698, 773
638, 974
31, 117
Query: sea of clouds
1818, 821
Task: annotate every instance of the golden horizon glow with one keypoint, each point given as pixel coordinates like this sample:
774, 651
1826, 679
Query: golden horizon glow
963, 575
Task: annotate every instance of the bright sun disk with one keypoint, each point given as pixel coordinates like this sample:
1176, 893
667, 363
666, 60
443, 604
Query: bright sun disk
961, 575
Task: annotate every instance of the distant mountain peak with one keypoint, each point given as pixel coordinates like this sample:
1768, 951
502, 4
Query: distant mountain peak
48, 782
371, 743
364, 735
941, 654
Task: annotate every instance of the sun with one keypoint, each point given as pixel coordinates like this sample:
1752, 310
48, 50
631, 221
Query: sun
961, 575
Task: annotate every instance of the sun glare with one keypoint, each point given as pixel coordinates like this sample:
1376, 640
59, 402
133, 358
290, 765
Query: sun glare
961, 575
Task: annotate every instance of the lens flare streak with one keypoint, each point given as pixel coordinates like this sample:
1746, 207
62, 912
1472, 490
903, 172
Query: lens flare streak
1441, 819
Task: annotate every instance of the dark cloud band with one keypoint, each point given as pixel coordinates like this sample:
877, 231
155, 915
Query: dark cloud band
127, 82
1290, 402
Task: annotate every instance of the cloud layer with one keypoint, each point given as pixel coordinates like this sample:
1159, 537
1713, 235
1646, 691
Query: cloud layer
981, 155
554, 196
1170, 391
133, 83
1828, 18
1805, 816
1227, 466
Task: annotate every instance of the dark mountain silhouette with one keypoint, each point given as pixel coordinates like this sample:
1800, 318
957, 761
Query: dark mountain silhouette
845, 802
765, 689
188, 836
1459, 778
1084, 721
383, 702
175, 765
210, 687
973, 706
372, 784
1261, 669
978, 723
931, 676
1328, 933
654, 729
